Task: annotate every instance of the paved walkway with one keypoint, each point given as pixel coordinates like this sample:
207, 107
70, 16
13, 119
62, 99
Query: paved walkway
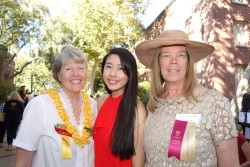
6, 157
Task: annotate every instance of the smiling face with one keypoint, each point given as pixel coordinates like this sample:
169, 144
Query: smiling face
173, 64
114, 76
72, 77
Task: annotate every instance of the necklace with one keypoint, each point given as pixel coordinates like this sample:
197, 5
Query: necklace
172, 103
87, 126
175, 101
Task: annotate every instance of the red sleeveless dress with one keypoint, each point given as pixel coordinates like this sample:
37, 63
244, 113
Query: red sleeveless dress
102, 130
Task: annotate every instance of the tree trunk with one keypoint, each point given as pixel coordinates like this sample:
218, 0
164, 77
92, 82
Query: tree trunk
92, 77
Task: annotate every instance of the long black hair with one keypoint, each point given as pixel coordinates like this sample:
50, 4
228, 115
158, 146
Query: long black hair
246, 102
122, 136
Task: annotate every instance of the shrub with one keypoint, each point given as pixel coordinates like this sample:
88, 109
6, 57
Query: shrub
143, 91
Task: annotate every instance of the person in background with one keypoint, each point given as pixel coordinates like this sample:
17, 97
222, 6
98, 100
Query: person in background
30, 96
22, 93
118, 130
245, 111
13, 110
243, 147
56, 129
187, 124
2, 125
243, 150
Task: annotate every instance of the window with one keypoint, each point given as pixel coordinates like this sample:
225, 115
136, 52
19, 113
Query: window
239, 73
241, 35
239, 1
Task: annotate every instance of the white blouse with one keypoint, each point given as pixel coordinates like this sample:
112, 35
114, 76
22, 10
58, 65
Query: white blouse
37, 133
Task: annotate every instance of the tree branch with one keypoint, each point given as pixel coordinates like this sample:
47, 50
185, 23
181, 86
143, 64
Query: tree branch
21, 70
12, 58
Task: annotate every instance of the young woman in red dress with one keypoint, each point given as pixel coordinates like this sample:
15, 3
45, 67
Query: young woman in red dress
118, 130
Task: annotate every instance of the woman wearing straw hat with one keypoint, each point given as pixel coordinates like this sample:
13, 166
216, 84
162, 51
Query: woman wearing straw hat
187, 125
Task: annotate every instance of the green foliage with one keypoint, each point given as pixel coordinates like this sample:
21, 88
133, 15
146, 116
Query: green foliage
48, 57
36, 75
95, 27
144, 91
98, 83
20, 22
239, 128
118, 25
5, 89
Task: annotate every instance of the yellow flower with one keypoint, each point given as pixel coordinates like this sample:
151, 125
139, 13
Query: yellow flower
88, 115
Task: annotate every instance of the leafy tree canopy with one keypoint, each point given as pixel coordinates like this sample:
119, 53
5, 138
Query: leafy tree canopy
96, 26
20, 21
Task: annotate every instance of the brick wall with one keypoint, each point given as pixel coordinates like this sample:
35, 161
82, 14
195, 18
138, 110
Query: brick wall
210, 22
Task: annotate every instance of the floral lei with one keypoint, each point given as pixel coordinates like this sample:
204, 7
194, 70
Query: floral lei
86, 131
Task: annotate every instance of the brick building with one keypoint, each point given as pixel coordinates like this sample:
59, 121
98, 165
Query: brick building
225, 24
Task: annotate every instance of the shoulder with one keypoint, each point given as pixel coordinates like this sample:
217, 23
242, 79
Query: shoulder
218, 96
19, 102
101, 100
39, 106
141, 106
215, 99
142, 111
210, 93
41, 97
241, 137
7, 102
40, 100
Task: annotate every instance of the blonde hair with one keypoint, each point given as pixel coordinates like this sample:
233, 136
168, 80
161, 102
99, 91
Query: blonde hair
158, 86
15, 96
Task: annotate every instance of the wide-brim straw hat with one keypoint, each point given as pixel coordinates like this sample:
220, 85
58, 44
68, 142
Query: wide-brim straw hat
147, 50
